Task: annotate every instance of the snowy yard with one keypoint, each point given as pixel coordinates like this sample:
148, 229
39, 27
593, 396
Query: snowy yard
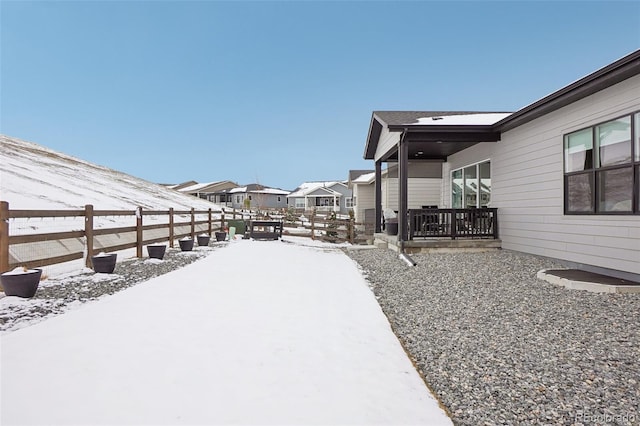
258, 332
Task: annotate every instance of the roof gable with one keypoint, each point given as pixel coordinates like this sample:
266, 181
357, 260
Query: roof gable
307, 188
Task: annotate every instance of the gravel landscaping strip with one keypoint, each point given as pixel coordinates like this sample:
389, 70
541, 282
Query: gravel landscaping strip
498, 346
59, 294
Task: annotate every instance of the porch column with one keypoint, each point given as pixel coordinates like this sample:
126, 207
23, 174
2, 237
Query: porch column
378, 197
403, 174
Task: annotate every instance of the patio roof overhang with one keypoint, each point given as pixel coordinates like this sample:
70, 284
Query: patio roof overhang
429, 143
425, 137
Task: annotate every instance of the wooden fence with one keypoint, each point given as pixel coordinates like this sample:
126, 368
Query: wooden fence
314, 226
174, 229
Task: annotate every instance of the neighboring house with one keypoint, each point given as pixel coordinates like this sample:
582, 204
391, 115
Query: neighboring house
363, 196
207, 190
323, 196
258, 197
563, 172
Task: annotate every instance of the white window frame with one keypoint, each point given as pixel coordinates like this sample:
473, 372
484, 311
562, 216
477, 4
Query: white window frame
348, 202
477, 165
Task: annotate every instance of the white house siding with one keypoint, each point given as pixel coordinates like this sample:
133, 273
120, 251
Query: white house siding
421, 192
386, 142
527, 187
365, 199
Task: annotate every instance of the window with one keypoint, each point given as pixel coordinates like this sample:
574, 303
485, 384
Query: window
471, 186
299, 203
349, 202
601, 168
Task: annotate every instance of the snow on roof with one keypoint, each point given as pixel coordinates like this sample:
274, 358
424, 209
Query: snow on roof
198, 186
366, 178
462, 119
264, 190
308, 187
271, 191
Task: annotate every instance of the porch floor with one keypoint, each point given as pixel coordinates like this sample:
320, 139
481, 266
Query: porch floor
428, 245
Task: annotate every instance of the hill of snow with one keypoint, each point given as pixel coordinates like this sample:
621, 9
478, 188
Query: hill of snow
35, 177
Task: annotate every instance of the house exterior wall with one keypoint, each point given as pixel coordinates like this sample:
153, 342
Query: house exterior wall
387, 141
346, 193
527, 186
269, 201
365, 199
424, 186
259, 200
237, 200
421, 192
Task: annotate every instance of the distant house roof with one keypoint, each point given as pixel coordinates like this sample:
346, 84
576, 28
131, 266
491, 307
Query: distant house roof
256, 188
183, 185
208, 187
354, 174
197, 187
307, 188
365, 179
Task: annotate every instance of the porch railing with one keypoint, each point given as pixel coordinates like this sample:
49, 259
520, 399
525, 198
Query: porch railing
453, 223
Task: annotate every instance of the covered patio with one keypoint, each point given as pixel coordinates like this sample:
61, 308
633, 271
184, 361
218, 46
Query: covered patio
403, 136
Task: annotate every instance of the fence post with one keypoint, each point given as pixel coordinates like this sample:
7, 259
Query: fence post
313, 225
352, 229
222, 222
495, 223
88, 233
171, 227
234, 212
193, 223
454, 224
209, 221
139, 232
4, 237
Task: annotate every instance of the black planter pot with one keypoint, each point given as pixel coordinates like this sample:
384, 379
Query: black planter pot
21, 284
392, 226
221, 236
156, 251
104, 263
203, 240
186, 245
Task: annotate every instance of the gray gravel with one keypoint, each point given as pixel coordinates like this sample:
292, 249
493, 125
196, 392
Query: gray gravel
59, 294
498, 346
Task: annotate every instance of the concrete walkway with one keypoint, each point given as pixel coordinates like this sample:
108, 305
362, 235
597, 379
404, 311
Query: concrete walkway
259, 332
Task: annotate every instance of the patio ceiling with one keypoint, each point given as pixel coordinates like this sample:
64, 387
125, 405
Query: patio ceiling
427, 144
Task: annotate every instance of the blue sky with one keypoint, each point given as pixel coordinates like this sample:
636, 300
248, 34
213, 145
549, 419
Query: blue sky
278, 92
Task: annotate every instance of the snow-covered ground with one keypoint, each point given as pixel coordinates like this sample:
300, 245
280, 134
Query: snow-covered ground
258, 332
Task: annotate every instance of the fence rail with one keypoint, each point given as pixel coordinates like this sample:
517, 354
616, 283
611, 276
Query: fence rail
85, 240
17, 248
